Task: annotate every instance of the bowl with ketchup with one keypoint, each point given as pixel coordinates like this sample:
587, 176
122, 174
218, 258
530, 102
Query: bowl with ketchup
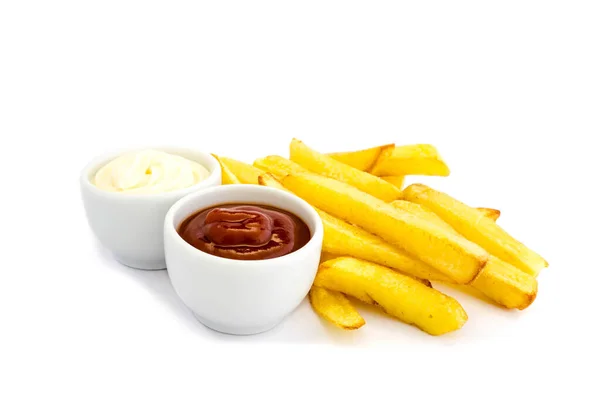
242, 257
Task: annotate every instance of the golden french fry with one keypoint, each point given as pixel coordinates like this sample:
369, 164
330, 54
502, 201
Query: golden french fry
399, 295
397, 181
327, 166
266, 179
489, 212
335, 307
227, 177
506, 284
246, 173
470, 223
278, 166
417, 159
361, 159
343, 239
447, 252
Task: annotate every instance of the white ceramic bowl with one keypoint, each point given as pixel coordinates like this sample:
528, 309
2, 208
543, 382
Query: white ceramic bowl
238, 296
130, 226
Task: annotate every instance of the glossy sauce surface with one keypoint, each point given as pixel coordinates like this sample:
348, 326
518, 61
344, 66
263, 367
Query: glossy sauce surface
245, 232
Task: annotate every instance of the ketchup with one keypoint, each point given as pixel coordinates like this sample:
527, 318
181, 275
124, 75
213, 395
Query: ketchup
245, 232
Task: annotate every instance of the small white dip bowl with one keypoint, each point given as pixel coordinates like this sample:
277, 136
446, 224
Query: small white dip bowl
130, 226
241, 297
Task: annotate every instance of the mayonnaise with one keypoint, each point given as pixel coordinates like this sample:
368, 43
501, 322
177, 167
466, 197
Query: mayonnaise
149, 171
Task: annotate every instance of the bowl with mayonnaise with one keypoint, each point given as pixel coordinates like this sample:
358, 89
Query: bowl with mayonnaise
127, 194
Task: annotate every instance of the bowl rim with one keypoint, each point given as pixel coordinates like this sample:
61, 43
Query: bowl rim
213, 167
317, 234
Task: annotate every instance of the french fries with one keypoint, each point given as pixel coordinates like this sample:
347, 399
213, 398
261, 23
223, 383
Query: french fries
383, 243
335, 307
417, 159
327, 166
227, 177
361, 159
278, 166
398, 295
507, 285
470, 223
491, 213
397, 181
343, 239
245, 173
449, 253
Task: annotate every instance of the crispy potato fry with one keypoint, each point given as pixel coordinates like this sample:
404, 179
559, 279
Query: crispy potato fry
470, 223
227, 177
343, 239
399, 295
447, 252
417, 159
266, 179
278, 166
490, 213
397, 181
327, 166
335, 307
506, 284
361, 159
246, 173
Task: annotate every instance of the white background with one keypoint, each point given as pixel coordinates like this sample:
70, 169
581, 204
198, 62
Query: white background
508, 91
